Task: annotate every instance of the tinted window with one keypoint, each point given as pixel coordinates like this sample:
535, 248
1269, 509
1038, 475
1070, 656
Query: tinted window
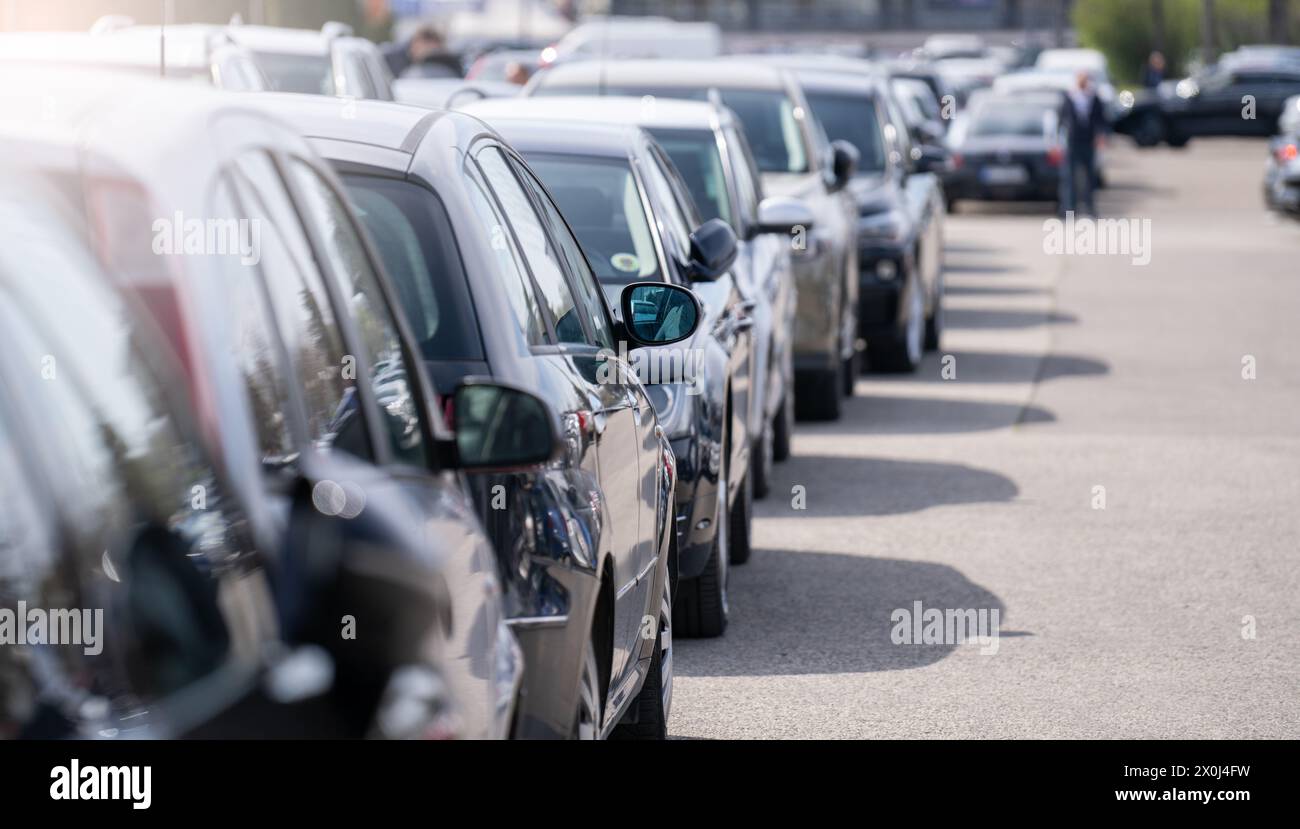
853, 119
749, 188
695, 155
543, 259
676, 218
602, 203
1014, 118
511, 273
410, 228
359, 288
589, 297
304, 315
309, 74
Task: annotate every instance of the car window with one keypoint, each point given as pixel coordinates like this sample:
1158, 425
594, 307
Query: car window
511, 273
413, 234
749, 188
852, 118
360, 290
673, 221
601, 201
543, 260
588, 291
695, 155
309, 74
305, 318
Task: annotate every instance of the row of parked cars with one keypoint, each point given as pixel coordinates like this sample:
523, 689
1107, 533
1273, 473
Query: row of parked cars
359, 418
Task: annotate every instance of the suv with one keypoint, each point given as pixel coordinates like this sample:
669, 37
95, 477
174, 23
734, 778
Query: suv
495, 285
794, 159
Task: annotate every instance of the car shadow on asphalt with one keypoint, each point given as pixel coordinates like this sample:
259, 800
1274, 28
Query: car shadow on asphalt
820, 613
835, 485
876, 414
960, 289
998, 367
990, 318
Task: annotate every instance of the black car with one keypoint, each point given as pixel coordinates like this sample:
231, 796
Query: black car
1009, 147
307, 390
494, 284
900, 217
622, 196
1238, 97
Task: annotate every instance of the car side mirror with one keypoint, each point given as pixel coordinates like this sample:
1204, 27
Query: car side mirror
657, 313
784, 215
713, 250
844, 163
502, 428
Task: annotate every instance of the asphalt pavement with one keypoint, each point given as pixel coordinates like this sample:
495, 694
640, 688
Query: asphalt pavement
1098, 470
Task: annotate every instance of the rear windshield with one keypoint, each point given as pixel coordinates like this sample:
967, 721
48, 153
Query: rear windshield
309, 74
411, 230
768, 116
601, 202
851, 118
695, 155
1012, 118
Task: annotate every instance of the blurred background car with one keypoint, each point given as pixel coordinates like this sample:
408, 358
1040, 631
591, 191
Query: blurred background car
1282, 169
1009, 147
794, 159
583, 544
303, 383
634, 37
327, 62
623, 198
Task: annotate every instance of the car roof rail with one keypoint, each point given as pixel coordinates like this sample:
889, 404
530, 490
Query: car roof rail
335, 29
111, 23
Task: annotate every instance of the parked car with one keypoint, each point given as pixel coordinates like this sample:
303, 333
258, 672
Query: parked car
623, 198
306, 384
794, 159
195, 53
495, 285
1038, 80
900, 206
705, 143
327, 62
634, 37
1214, 104
1009, 147
1068, 63
1282, 170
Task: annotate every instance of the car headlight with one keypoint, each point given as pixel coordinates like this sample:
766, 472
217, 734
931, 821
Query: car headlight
886, 226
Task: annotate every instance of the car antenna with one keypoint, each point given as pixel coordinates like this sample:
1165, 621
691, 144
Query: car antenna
167, 8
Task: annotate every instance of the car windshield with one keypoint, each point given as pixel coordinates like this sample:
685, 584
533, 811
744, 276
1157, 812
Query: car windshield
414, 238
695, 155
310, 74
1013, 118
601, 202
851, 118
769, 118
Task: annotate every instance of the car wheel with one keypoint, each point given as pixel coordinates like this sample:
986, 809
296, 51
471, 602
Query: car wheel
902, 350
764, 454
741, 519
586, 722
655, 699
1150, 131
783, 428
701, 608
852, 368
934, 322
819, 393
950, 204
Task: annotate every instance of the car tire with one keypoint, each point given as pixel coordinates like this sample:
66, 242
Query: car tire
654, 701
1150, 130
950, 204
819, 394
587, 717
783, 428
701, 609
934, 324
764, 455
852, 368
741, 519
901, 351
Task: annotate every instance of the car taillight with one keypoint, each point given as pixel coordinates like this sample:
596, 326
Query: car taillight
1287, 153
956, 161
1055, 156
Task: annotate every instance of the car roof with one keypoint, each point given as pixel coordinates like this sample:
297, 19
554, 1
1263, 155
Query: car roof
838, 83
725, 74
1044, 98
805, 62
278, 39
559, 136
666, 113
188, 47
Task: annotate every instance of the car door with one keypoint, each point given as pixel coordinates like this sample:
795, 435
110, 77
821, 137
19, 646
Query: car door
603, 381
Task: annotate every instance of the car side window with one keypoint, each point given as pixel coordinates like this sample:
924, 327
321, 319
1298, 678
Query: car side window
589, 295
361, 292
304, 317
511, 273
672, 221
543, 260
746, 172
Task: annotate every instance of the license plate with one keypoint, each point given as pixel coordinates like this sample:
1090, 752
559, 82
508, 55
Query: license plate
1009, 174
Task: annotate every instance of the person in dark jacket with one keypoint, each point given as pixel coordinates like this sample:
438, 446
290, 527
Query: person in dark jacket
1085, 122
425, 50
1154, 71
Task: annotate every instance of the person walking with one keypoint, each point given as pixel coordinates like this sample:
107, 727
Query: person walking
1085, 123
